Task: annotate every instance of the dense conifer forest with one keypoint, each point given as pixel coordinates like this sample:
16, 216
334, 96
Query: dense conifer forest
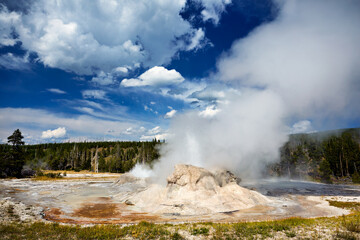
21, 160
324, 156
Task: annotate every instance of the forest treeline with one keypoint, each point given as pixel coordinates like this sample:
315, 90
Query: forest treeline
21, 160
324, 156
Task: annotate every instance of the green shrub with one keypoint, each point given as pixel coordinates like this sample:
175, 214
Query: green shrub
200, 231
352, 225
53, 175
176, 236
39, 173
356, 177
345, 235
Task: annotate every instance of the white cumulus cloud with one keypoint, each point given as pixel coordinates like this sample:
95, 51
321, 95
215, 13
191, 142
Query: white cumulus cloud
209, 112
170, 114
155, 76
56, 133
87, 36
33, 121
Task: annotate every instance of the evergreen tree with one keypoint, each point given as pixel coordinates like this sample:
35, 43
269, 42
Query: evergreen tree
15, 159
325, 171
16, 138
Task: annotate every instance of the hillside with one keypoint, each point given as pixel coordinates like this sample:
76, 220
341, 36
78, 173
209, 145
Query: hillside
326, 156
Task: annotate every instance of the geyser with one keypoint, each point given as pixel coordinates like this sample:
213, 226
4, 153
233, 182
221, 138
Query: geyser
301, 67
191, 190
244, 136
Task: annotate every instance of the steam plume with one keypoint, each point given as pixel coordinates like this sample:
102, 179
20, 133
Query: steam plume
303, 65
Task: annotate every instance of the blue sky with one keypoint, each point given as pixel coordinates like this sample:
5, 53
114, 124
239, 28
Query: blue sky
123, 70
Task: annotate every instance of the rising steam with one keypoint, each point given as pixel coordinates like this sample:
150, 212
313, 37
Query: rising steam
303, 65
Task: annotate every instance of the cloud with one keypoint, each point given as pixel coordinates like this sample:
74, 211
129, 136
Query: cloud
103, 79
303, 126
209, 112
122, 70
183, 91
77, 78
198, 40
32, 121
131, 130
91, 104
96, 94
155, 130
153, 133
85, 110
155, 76
13, 62
170, 114
102, 35
309, 55
149, 109
156, 136
56, 133
7, 21
107, 110
213, 9
56, 90
210, 94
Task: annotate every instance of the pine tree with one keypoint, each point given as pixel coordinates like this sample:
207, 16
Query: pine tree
16, 138
15, 159
325, 171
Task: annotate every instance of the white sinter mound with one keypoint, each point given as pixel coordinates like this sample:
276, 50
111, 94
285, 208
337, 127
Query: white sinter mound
191, 191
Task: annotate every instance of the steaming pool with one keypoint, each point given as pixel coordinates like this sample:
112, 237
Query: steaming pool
96, 201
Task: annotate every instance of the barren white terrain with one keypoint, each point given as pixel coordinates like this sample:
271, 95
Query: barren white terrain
192, 194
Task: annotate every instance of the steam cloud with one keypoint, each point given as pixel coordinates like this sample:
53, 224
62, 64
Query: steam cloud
303, 65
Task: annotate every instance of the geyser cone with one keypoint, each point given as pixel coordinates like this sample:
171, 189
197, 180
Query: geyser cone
193, 191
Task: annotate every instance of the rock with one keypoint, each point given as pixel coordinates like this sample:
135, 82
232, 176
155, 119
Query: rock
187, 175
194, 190
128, 202
195, 176
224, 177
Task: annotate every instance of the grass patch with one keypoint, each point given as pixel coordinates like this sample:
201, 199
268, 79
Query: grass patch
56, 231
200, 231
290, 234
352, 224
288, 228
346, 205
345, 235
